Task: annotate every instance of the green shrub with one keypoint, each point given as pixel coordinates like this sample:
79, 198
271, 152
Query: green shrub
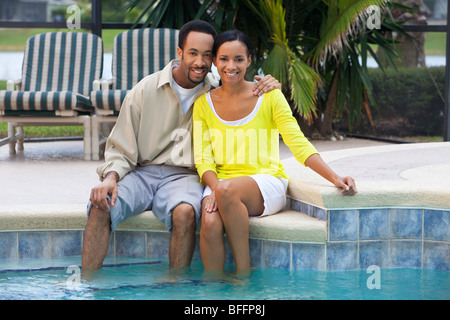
410, 102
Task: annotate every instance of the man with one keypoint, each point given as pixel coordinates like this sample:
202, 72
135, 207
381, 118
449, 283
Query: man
148, 158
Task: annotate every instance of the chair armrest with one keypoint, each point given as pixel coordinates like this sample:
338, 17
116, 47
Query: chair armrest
102, 84
96, 85
10, 84
107, 84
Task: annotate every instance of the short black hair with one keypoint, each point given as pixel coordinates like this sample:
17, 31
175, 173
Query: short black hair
233, 35
197, 26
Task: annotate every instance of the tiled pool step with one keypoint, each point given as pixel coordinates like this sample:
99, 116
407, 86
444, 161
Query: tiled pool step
321, 239
410, 237
287, 225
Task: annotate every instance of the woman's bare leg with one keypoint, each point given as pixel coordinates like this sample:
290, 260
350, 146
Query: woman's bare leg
237, 199
212, 246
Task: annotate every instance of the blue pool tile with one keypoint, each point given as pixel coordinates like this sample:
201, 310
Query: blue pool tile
276, 254
111, 246
255, 252
197, 255
320, 213
436, 255
130, 244
406, 254
228, 253
34, 244
342, 255
66, 243
158, 244
308, 256
307, 209
437, 225
373, 253
294, 204
343, 225
406, 223
373, 224
8, 245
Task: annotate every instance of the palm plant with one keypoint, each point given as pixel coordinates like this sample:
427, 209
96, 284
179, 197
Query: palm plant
174, 13
311, 46
328, 51
342, 51
283, 62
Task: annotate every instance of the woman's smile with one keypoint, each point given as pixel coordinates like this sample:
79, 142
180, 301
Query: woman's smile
232, 60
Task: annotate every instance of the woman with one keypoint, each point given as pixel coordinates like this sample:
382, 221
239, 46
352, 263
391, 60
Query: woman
237, 155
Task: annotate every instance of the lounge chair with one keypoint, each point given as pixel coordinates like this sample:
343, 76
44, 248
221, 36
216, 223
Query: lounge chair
136, 54
58, 72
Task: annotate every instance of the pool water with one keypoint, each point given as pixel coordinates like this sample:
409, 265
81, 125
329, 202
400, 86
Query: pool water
142, 279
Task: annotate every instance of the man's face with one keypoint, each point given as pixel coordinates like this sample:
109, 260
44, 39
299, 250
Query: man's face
196, 59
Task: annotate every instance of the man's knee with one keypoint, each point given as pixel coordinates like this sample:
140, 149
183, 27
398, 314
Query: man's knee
97, 215
183, 217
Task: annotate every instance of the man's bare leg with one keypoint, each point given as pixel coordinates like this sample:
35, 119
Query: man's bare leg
182, 240
96, 240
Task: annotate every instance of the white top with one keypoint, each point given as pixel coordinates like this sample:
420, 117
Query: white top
186, 96
239, 122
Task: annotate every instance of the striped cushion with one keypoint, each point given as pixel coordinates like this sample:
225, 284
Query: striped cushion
62, 61
57, 74
138, 53
108, 100
44, 101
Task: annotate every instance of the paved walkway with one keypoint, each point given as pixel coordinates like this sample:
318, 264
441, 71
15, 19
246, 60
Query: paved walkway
53, 173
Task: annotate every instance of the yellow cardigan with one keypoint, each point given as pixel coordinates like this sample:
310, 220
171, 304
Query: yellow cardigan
250, 145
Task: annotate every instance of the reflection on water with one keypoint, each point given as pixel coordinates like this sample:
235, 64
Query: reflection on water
11, 64
141, 278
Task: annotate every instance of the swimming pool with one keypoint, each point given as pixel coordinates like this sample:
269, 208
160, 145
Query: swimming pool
151, 279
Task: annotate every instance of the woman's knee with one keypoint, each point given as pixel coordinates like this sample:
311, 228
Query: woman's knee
226, 192
212, 225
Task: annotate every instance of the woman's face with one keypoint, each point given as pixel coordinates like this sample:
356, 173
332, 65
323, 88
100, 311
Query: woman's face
232, 60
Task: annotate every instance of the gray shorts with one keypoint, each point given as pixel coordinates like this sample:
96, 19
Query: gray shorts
158, 188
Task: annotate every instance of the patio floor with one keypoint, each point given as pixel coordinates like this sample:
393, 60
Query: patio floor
54, 173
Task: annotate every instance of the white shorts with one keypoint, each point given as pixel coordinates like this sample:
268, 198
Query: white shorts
273, 190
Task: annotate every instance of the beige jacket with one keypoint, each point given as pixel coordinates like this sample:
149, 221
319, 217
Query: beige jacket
151, 128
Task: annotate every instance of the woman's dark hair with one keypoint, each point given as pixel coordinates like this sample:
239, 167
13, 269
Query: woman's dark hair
233, 35
197, 26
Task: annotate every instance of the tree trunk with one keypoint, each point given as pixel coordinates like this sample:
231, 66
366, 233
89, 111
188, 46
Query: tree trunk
411, 50
326, 128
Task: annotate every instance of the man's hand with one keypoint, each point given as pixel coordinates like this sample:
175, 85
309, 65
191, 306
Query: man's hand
100, 192
266, 84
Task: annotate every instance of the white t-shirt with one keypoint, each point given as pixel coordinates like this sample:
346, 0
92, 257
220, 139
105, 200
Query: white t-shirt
186, 96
